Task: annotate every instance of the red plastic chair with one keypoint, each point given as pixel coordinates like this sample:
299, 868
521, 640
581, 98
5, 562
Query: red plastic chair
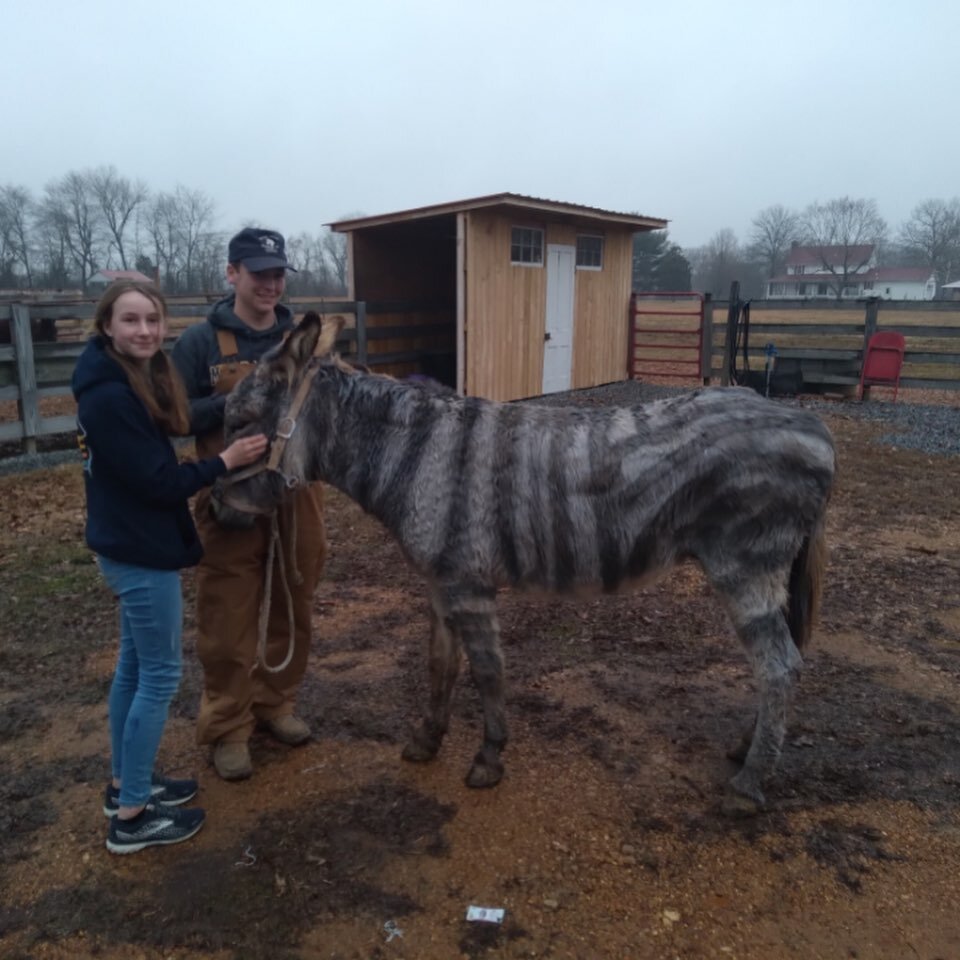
882, 362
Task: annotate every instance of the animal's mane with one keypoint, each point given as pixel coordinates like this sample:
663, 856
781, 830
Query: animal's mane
408, 400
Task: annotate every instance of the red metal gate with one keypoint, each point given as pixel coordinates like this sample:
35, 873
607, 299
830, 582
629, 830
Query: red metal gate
666, 335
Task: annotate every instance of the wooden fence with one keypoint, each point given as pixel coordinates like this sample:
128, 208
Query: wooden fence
824, 341
394, 337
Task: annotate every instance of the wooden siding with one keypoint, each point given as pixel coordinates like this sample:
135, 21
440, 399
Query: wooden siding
601, 315
506, 310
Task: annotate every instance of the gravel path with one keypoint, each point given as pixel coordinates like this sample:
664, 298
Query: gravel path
930, 428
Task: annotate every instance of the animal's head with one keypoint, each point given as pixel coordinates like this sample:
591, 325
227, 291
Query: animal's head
271, 400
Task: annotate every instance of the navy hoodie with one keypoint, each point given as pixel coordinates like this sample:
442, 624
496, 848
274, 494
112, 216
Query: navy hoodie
137, 492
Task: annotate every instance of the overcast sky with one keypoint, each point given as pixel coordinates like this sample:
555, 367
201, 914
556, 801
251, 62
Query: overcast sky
295, 113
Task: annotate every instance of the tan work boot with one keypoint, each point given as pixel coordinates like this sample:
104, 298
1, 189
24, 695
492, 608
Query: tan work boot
288, 729
231, 759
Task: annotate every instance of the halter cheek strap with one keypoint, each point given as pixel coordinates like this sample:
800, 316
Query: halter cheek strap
286, 427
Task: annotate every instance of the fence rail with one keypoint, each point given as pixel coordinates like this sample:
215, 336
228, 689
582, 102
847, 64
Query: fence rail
400, 336
824, 342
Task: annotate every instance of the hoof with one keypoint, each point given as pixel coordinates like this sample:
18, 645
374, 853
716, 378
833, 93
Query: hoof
483, 775
742, 799
419, 751
739, 753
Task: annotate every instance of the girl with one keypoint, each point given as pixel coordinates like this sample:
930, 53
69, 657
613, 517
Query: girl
129, 401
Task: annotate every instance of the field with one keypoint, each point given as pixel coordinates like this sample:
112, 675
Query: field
605, 838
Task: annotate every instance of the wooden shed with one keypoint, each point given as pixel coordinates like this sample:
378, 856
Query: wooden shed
509, 296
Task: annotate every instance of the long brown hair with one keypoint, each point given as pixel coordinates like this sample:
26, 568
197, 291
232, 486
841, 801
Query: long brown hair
156, 382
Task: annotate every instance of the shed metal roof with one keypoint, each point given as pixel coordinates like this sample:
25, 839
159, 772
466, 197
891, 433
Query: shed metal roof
511, 201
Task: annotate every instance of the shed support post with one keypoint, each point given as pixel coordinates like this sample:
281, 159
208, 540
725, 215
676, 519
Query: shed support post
361, 328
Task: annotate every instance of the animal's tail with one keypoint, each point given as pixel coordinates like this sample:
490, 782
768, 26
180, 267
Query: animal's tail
806, 584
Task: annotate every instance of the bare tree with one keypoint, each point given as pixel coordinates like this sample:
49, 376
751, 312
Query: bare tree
16, 207
187, 251
335, 250
932, 237
845, 234
195, 213
70, 206
117, 198
52, 250
774, 229
313, 276
717, 263
160, 223
209, 262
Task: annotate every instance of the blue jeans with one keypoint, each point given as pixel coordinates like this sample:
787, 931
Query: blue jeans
148, 670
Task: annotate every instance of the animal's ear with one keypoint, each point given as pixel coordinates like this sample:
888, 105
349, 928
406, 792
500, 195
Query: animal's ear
303, 341
328, 335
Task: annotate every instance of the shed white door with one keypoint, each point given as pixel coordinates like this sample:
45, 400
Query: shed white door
558, 339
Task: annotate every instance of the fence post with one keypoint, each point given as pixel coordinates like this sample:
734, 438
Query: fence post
870, 323
706, 340
28, 403
361, 326
730, 347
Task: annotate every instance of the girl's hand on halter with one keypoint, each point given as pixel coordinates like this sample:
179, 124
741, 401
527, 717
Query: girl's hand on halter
244, 450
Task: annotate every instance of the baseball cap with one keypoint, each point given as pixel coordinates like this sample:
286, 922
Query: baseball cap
258, 250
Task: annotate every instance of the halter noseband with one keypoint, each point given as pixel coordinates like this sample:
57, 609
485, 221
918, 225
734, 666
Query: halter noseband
286, 427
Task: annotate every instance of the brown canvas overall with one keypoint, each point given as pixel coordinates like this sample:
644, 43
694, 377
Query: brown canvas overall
230, 582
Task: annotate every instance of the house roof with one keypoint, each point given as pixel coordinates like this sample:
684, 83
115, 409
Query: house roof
112, 275
904, 274
508, 201
803, 256
952, 286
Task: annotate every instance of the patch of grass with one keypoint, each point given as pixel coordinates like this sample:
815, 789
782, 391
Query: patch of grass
47, 583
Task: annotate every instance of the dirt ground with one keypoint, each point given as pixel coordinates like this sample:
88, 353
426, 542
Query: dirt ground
605, 838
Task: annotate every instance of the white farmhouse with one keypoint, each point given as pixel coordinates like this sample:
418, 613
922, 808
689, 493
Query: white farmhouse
814, 272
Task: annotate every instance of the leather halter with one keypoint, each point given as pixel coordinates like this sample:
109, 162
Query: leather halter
286, 427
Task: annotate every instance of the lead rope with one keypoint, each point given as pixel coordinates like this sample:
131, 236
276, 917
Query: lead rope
296, 576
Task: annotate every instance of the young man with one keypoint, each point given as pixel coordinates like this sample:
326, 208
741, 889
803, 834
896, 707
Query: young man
212, 357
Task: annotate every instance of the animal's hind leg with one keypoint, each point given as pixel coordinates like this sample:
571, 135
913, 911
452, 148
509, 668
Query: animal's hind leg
738, 752
757, 611
444, 666
475, 616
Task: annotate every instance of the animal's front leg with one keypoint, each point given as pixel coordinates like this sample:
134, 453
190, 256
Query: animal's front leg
444, 665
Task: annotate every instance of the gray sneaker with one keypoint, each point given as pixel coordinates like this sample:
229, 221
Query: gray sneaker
164, 790
156, 825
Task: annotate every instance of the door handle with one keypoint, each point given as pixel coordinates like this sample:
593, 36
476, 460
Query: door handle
547, 336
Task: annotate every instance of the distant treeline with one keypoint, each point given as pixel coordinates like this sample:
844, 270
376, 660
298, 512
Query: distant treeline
930, 238
97, 219
93, 220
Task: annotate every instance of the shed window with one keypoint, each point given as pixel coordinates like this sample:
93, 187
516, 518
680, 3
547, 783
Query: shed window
526, 246
590, 252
